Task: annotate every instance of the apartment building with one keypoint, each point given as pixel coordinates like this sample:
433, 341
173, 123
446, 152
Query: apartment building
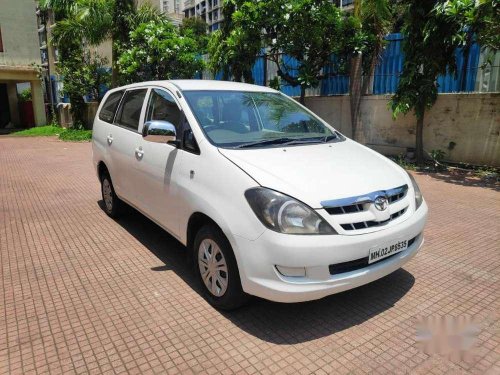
208, 10
19, 56
211, 10
173, 11
171, 6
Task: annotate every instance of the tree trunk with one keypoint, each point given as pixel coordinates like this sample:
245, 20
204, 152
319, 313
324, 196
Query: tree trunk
77, 111
369, 80
355, 96
114, 68
465, 65
302, 99
236, 75
355, 85
247, 76
419, 142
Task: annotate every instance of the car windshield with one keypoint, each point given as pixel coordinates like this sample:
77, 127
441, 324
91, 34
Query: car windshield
255, 119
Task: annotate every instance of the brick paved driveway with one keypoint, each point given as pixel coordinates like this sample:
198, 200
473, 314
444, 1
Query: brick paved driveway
81, 293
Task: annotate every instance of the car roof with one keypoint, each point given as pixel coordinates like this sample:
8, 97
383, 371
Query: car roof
205, 84
202, 85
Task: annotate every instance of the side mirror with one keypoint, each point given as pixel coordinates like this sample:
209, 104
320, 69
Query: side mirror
159, 132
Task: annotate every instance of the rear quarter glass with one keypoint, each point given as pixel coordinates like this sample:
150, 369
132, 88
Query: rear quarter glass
108, 109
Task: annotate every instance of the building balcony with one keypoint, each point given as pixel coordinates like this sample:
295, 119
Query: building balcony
188, 4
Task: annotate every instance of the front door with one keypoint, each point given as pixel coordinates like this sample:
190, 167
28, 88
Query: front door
160, 162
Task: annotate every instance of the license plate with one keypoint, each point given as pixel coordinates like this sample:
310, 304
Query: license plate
381, 252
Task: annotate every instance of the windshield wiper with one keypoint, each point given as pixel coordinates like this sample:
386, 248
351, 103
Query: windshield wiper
287, 141
303, 141
329, 138
265, 142
324, 139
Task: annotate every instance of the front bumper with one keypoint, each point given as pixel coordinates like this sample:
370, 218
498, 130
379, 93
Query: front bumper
257, 260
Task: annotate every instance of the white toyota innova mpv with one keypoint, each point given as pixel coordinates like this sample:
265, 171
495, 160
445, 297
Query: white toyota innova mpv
269, 199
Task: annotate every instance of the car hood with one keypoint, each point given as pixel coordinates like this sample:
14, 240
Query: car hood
316, 173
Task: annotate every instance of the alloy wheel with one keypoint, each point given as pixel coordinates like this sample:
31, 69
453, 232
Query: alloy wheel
107, 194
213, 267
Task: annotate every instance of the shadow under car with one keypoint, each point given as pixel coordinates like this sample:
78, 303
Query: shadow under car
274, 322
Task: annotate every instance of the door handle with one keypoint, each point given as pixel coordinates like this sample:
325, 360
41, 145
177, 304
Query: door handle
110, 139
139, 153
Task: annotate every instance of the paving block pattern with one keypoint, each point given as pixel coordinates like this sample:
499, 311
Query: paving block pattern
82, 293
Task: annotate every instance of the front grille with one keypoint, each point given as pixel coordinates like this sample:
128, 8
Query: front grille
358, 204
396, 197
346, 210
358, 264
371, 223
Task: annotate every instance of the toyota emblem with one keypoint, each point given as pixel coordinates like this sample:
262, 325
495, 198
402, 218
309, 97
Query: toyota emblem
381, 203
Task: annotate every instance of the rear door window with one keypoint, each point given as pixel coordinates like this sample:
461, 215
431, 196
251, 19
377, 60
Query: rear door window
109, 107
130, 110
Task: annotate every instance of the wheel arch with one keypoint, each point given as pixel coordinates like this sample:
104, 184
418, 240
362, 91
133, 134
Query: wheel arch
196, 221
102, 169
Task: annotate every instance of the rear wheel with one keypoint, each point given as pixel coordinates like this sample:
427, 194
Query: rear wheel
216, 268
112, 204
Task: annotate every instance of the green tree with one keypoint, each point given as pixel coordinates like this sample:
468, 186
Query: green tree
433, 30
98, 74
195, 28
233, 50
157, 51
144, 14
485, 21
95, 21
119, 31
397, 9
375, 21
429, 49
307, 30
70, 35
83, 75
376, 18
234, 55
477, 21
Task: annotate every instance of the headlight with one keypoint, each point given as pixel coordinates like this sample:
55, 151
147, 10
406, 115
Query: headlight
418, 194
284, 214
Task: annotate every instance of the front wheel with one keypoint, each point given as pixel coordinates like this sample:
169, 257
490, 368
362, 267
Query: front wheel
216, 268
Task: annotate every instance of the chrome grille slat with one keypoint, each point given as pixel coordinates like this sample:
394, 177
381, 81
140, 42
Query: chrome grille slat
346, 204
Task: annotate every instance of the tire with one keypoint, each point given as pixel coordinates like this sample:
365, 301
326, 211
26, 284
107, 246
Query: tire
210, 242
112, 204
